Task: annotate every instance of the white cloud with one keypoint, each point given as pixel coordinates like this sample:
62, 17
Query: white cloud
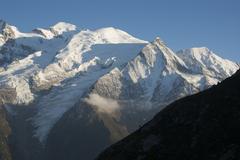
104, 105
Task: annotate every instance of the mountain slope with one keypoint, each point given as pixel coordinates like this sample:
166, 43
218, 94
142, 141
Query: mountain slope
202, 126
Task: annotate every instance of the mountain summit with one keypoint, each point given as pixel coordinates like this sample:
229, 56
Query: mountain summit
62, 27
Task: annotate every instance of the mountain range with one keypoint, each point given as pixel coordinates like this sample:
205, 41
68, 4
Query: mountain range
68, 92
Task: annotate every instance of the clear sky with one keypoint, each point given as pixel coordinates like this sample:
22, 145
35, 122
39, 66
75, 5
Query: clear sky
180, 23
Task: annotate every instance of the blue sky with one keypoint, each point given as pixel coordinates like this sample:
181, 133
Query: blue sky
180, 23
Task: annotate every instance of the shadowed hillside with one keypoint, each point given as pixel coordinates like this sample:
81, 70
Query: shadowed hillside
5, 129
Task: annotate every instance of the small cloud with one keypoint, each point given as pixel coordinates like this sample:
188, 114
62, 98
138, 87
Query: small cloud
104, 105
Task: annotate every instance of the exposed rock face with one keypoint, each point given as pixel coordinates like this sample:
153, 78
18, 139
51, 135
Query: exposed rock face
202, 126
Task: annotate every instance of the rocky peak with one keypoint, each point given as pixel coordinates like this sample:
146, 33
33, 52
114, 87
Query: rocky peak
158, 41
6, 30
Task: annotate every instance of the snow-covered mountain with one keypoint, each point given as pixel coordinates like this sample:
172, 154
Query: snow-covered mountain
158, 75
119, 77
202, 60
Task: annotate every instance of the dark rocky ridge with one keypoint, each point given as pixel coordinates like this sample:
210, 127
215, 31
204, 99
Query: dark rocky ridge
202, 126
